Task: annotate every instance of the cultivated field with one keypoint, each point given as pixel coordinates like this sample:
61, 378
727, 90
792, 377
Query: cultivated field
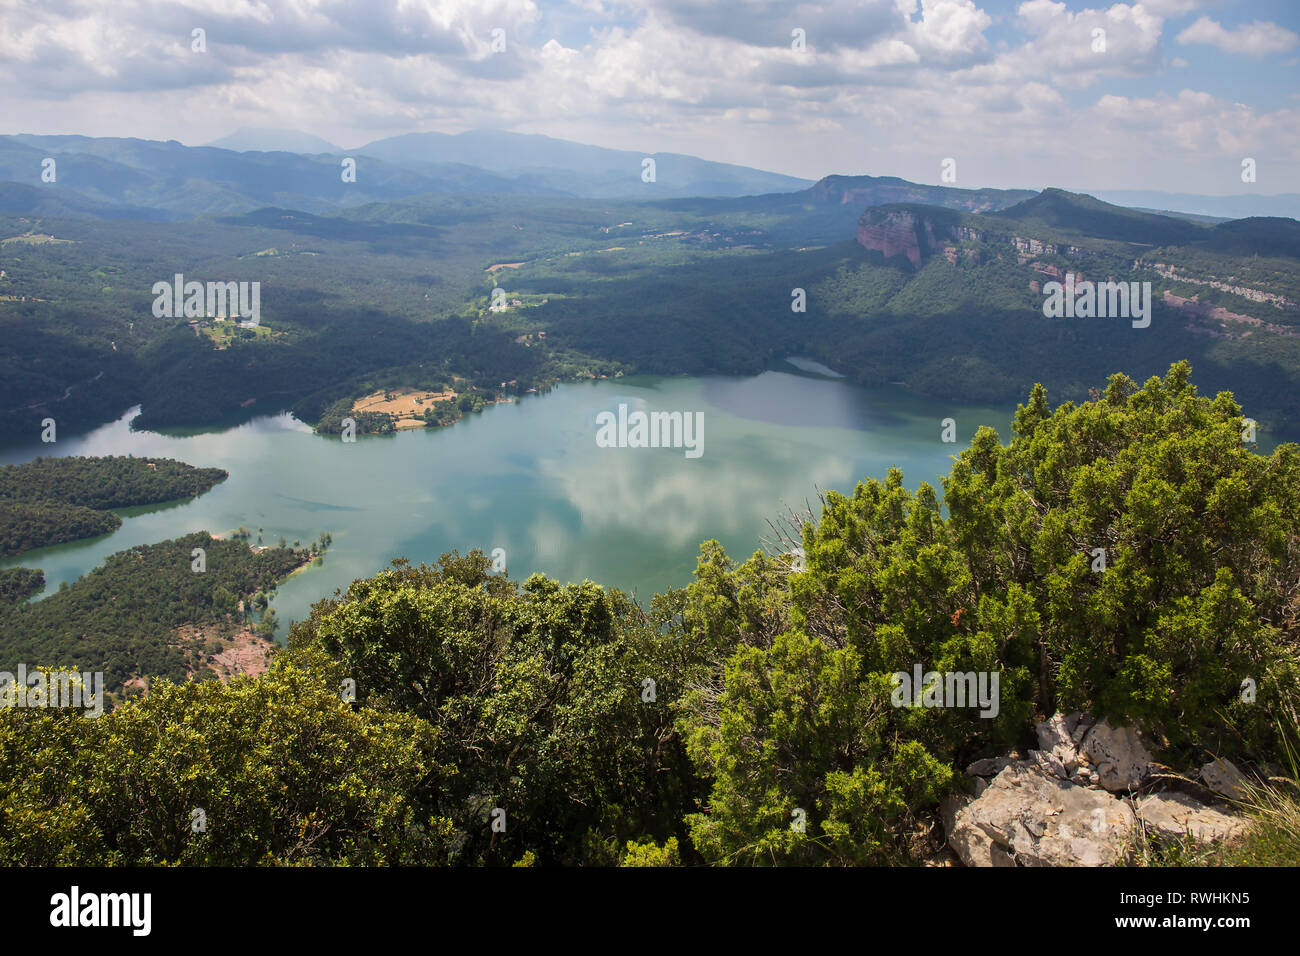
405, 403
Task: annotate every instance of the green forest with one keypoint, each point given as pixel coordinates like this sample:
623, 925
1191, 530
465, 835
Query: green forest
514, 723
400, 293
122, 617
18, 584
50, 501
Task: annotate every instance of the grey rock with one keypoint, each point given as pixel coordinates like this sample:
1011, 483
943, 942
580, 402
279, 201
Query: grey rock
1225, 779
949, 807
1048, 763
989, 766
1117, 754
998, 856
1175, 815
1030, 819
1084, 777
1081, 730
1056, 737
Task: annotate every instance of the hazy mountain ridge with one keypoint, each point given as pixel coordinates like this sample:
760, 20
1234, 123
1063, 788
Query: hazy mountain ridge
266, 139
122, 177
1241, 206
183, 181
153, 179
581, 169
881, 190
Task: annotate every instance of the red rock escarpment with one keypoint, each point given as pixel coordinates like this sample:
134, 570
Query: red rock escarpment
893, 234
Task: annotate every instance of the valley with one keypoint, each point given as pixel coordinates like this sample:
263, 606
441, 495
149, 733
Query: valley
395, 295
478, 465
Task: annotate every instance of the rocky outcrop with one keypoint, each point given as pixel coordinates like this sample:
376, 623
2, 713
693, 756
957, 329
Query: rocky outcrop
1032, 247
1059, 736
1173, 816
1055, 807
918, 234
1025, 818
1225, 779
1120, 758
895, 233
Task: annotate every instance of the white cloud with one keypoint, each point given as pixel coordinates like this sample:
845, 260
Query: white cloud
1259, 38
1173, 8
1067, 45
951, 26
556, 51
1196, 122
886, 86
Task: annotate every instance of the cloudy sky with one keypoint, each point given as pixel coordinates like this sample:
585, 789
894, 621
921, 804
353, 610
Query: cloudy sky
1018, 93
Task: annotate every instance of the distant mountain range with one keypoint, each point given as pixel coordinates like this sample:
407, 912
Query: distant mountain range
150, 179
269, 139
562, 167
1219, 207
253, 168
112, 177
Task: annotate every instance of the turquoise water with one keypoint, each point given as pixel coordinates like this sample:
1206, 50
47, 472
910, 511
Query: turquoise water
529, 478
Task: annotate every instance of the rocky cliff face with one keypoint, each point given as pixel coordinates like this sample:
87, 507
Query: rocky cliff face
901, 232
896, 233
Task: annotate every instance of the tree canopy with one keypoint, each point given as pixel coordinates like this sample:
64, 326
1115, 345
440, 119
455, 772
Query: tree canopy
1131, 556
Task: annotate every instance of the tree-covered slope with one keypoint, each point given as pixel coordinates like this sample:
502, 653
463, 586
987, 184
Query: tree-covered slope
945, 300
506, 723
106, 482
25, 525
122, 617
53, 500
18, 584
1080, 214
1199, 592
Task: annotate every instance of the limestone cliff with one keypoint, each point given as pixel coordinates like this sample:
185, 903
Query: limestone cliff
895, 233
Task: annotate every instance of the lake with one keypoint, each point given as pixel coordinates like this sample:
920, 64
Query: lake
529, 477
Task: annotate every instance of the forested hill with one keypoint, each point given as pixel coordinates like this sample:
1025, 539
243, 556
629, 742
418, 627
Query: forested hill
53, 500
110, 482
860, 191
125, 617
946, 298
18, 584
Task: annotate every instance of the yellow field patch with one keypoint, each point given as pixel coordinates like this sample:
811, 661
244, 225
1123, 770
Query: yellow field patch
406, 403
